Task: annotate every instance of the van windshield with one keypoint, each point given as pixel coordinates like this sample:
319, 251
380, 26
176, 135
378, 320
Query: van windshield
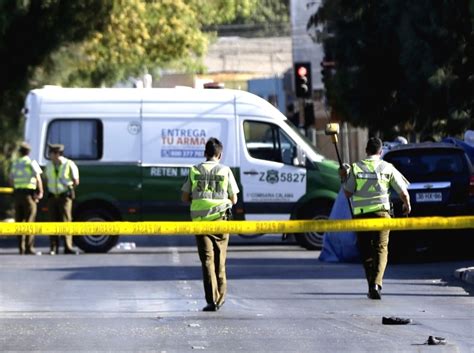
315, 156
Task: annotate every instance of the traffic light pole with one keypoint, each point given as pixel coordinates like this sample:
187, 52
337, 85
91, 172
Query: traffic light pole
301, 115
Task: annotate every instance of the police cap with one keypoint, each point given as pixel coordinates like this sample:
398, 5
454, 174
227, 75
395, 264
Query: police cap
24, 146
55, 147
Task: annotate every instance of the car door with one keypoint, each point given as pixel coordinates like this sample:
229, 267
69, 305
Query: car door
271, 183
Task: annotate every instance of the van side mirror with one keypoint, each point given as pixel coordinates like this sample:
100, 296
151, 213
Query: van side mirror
299, 157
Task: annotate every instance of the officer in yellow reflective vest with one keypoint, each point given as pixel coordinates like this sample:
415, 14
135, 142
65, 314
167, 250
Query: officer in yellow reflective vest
212, 190
62, 177
25, 176
368, 183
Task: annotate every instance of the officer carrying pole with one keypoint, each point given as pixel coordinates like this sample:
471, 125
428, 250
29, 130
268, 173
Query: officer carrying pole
367, 183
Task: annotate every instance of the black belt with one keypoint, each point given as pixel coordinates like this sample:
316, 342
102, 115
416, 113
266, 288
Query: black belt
57, 196
24, 191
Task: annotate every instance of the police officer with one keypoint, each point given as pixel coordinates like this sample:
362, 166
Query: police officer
62, 177
212, 190
25, 176
368, 183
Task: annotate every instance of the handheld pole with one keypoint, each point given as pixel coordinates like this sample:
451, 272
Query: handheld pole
335, 140
332, 130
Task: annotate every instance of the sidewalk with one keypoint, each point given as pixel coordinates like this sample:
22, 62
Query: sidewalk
465, 274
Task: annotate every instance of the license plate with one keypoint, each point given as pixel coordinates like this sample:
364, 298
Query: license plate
429, 197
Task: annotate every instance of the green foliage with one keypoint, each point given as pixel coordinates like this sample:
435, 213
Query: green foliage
141, 36
264, 18
267, 11
401, 63
210, 12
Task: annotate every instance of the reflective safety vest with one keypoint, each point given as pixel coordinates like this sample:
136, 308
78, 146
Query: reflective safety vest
372, 184
209, 192
60, 180
23, 174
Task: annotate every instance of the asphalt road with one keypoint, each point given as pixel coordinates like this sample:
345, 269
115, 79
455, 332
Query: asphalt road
280, 299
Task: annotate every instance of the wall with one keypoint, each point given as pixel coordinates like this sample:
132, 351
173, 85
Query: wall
270, 89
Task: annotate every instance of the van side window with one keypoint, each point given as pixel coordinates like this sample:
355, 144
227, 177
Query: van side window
268, 142
82, 138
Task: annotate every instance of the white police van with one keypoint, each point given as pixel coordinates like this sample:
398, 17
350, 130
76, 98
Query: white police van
134, 148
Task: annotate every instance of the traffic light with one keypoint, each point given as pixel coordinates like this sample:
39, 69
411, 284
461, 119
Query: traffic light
303, 85
327, 71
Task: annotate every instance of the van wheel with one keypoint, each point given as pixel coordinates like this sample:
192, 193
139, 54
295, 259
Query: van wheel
314, 211
95, 243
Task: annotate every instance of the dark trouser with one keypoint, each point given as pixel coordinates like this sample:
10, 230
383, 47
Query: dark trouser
25, 211
373, 247
212, 249
60, 210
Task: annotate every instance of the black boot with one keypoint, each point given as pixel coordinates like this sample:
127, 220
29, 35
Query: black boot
374, 292
210, 307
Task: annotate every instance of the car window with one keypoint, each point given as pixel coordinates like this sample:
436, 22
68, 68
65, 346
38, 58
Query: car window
424, 162
268, 142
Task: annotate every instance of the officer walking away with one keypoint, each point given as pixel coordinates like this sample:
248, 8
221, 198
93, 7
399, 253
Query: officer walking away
25, 176
62, 177
212, 190
367, 184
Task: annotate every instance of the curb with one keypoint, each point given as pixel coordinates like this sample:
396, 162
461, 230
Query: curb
465, 274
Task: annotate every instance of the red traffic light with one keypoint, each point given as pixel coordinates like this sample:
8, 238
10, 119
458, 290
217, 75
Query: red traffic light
302, 77
302, 71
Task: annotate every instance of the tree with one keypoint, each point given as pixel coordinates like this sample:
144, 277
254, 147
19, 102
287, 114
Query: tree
142, 36
400, 63
263, 18
29, 32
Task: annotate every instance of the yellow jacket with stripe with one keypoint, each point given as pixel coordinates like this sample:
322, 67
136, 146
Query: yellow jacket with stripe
369, 181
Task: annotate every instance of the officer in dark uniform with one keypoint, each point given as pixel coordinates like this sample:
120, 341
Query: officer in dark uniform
212, 190
62, 177
367, 184
25, 176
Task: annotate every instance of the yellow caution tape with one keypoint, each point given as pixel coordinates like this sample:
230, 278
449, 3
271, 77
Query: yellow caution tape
4, 190
233, 227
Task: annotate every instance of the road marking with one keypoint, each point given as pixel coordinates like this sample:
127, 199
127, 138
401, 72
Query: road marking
175, 255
